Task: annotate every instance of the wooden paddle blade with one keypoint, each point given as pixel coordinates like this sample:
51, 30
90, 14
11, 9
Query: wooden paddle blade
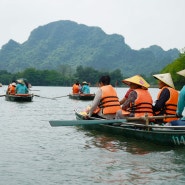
2, 95
57, 123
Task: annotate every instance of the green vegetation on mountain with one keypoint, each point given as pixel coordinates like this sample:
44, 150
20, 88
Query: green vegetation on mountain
173, 68
58, 44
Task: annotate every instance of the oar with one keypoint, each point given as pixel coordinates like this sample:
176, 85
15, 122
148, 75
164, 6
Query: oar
57, 123
44, 97
2, 95
61, 96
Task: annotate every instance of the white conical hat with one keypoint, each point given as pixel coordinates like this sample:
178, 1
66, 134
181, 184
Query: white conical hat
137, 79
165, 78
181, 72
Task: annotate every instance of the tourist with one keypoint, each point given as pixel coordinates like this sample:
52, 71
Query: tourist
139, 101
21, 87
85, 88
76, 88
166, 103
106, 102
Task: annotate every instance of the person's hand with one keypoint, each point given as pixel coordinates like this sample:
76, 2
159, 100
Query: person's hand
86, 116
179, 116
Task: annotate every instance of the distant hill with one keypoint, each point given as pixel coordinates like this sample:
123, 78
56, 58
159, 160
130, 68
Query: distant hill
66, 42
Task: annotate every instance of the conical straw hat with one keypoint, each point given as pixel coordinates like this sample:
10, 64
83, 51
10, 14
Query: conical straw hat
137, 79
181, 72
165, 78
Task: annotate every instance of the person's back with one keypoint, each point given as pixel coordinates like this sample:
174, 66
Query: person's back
12, 88
21, 88
106, 102
75, 88
85, 89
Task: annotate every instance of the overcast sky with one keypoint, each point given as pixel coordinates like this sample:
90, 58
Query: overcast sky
142, 22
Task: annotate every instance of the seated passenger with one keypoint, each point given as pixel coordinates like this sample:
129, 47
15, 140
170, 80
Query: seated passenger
139, 101
12, 88
166, 103
106, 102
85, 88
21, 87
76, 88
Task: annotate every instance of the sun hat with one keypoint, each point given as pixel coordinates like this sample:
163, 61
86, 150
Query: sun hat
21, 81
137, 79
165, 78
182, 73
14, 84
84, 82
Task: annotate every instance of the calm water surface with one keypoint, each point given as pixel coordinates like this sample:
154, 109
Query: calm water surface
33, 153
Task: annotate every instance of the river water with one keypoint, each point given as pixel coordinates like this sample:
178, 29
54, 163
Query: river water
34, 153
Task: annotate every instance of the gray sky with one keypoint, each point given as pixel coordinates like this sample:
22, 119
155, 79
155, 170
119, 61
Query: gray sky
142, 22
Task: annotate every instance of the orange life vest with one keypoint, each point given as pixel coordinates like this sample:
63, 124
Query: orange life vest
142, 104
11, 89
109, 101
171, 104
75, 89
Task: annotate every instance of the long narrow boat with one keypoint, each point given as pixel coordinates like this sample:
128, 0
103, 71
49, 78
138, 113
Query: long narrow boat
165, 135
19, 97
82, 96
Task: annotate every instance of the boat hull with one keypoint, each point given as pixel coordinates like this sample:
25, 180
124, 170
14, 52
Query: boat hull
163, 136
19, 97
82, 96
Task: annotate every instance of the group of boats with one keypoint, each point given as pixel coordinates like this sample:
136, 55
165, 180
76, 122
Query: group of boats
137, 128
29, 97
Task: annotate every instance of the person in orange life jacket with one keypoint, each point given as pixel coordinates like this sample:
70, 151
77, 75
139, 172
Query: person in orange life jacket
166, 103
76, 88
139, 101
106, 102
11, 88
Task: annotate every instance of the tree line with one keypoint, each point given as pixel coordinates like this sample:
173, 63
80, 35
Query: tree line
63, 76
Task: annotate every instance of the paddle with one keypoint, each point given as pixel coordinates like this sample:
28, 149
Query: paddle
57, 123
44, 97
61, 96
2, 95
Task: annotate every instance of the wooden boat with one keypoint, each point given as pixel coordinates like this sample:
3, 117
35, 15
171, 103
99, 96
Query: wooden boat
19, 97
82, 96
165, 135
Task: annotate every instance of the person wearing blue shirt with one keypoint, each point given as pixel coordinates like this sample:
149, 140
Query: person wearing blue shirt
85, 88
21, 87
180, 106
181, 99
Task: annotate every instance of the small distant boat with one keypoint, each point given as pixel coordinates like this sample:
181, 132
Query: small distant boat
19, 97
82, 96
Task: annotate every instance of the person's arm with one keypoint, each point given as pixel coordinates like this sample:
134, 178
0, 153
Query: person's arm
95, 102
181, 102
131, 98
160, 103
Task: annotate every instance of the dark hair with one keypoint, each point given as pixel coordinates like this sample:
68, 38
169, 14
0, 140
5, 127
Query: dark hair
105, 80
